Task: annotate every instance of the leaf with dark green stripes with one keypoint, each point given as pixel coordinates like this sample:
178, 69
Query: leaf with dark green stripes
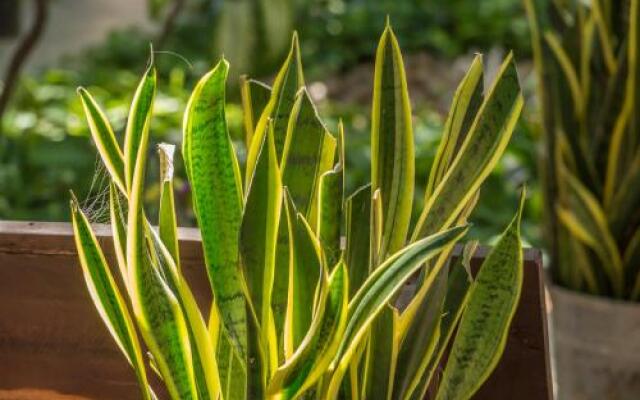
156, 309
202, 351
214, 174
482, 333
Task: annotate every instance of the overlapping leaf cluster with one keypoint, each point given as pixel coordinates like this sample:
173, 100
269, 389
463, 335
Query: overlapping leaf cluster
586, 57
306, 280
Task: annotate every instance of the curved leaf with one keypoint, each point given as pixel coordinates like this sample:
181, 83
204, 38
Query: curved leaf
104, 138
314, 355
139, 121
378, 289
106, 296
486, 141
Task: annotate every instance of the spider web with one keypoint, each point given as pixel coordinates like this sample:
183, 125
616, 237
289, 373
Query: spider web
95, 204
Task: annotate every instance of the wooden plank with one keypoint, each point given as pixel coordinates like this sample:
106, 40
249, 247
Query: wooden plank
52, 339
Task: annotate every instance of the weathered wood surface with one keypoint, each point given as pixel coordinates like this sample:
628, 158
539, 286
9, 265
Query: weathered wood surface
51, 338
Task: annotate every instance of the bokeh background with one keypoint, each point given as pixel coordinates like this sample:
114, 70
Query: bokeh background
49, 47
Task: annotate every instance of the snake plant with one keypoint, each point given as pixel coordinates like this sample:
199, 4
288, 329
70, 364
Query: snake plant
586, 57
307, 281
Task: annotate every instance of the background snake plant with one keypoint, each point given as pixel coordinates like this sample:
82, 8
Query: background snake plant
307, 281
586, 57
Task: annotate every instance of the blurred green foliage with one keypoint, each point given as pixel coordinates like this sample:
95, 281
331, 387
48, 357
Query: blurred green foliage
44, 145
340, 33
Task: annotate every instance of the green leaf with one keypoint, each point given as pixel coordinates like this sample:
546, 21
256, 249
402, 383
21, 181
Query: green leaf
283, 95
583, 216
457, 295
167, 224
421, 339
392, 152
118, 231
625, 200
376, 229
308, 153
280, 292
382, 355
158, 313
104, 138
255, 96
486, 141
258, 359
379, 288
258, 239
455, 303
462, 112
139, 121
570, 74
232, 370
202, 350
484, 327
163, 327
106, 296
314, 355
217, 195
358, 231
304, 278
331, 195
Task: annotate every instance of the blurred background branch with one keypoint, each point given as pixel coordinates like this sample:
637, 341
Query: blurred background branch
23, 50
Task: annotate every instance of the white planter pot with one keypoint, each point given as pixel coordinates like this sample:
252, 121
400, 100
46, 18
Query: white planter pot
596, 343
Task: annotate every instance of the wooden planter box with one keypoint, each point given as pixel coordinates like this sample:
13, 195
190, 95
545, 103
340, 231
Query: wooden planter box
53, 341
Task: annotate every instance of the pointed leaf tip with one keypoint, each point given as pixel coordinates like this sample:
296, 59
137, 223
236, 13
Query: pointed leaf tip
223, 62
74, 199
151, 56
523, 199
